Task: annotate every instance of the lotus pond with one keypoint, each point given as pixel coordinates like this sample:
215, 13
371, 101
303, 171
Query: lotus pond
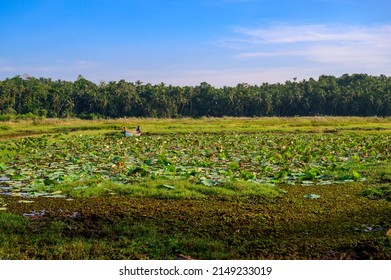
228, 195
45, 166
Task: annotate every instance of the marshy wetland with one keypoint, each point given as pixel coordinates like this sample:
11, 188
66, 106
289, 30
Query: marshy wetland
209, 188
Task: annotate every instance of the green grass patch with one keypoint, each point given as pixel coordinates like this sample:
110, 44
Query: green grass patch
379, 192
157, 188
23, 128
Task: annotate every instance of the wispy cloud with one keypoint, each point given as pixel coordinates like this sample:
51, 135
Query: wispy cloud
312, 33
360, 47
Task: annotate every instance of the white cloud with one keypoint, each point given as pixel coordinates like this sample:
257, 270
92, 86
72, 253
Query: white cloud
347, 48
280, 53
272, 54
312, 33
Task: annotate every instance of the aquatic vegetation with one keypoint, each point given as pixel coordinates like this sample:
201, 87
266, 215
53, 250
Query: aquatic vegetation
226, 195
48, 165
379, 192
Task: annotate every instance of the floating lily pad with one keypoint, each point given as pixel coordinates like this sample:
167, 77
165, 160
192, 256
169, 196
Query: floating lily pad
209, 183
324, 183
307, 182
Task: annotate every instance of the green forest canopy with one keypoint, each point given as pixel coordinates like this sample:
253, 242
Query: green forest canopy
348, 95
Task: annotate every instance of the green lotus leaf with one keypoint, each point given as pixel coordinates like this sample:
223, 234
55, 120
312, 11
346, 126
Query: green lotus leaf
209, 183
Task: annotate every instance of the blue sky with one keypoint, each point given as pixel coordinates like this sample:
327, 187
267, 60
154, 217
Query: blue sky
222, 42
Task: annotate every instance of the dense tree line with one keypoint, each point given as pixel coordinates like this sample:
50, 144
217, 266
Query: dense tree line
348, 95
